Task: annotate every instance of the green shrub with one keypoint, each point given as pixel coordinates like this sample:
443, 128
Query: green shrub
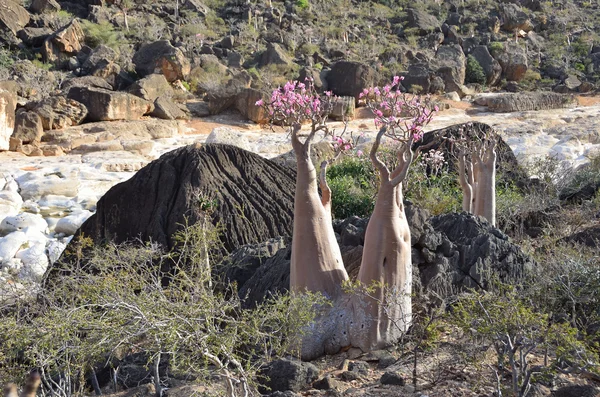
436, 190
517, 333
129, 302
475, 73
302, 4
101, 33
496, 47
353, 187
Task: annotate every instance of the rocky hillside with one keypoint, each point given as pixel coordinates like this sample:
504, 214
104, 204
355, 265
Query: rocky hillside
63, 63
440, 46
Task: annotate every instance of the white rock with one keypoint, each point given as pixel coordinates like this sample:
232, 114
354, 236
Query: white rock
69, 224
10, 244
39, 186
229, 136
51, 221
23, 221
35, 236
54, 202
117, 161
31, 206
10, 197
35, 262
12, 265
55, 249
11, 186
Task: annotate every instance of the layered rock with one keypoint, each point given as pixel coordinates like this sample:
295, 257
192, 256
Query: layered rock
164, 195
57, 112
104, 105
63, 44
506, 103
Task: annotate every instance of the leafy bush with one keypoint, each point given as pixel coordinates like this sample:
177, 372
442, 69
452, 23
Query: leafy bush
436, 190
6, 61
509, 324
302, 4
101, 33
353, 187
496, 47
475, 73
124, 300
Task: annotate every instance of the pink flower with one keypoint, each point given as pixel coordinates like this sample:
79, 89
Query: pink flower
328, 93
359, 153
259, 102
396, 80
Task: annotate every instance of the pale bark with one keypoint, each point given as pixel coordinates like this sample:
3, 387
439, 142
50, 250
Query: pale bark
383, 315
316, 262
485, 173
465, 176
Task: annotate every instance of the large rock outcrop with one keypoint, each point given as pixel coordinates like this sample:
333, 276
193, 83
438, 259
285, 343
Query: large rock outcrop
162, 57
348, 78
104, 105
63, 44
450, 252
13, 18
254, 198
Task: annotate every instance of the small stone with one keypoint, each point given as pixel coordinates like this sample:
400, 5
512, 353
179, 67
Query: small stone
359, 367
349, 376
327, 383
392, 378
354, 352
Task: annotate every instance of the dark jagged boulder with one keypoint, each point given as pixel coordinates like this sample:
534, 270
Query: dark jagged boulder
589, 237
478, 251
348, 78
254, 198
577, 391
449, 252
283, 375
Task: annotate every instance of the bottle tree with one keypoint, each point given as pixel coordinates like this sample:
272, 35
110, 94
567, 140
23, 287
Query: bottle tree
477, 173
375, 314
384, 313
316, 262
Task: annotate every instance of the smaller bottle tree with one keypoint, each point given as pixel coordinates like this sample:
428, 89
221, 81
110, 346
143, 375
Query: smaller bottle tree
477, 173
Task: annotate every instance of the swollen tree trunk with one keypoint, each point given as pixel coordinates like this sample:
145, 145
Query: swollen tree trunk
467, 182
384, 313
316, 263
485, 192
